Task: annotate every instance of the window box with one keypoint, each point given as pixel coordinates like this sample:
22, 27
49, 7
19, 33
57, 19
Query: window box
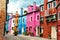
41, 20
54, 17
48, 19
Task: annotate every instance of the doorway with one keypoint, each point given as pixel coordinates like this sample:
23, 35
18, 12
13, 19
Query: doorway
37, 31
53, 32
22, 30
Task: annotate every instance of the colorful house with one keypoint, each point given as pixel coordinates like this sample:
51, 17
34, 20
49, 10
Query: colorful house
22, 23
58, 20
13, 25
10, 23
16, 21
33, 18
48, 19
7, 23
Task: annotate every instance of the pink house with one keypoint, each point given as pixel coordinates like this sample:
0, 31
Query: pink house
10, 23
33, 19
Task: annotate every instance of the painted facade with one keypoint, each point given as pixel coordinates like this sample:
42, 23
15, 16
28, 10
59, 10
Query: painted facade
32, 20
10, 23
13, 25
49, 19
22, 23
16, 21
58, 26
7, 24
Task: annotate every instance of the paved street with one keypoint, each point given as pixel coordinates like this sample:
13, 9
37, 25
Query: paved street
22, 37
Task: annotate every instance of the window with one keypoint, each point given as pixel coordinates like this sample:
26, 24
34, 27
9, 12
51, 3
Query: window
31, 18
54, 17
41, 19
54, 4
41, 30
59, 15
17, 21
30, 28
48, 18
37, 17
49, 6
23, 19
13, 21
49, 0
42, 8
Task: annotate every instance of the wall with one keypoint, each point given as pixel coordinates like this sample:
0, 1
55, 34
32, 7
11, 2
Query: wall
2, 17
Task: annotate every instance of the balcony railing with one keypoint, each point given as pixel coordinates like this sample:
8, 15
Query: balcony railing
48, 19
54, 17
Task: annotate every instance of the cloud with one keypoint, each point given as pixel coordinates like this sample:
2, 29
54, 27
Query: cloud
14, 4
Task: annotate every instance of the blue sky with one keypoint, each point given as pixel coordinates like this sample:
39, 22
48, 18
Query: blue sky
14, 4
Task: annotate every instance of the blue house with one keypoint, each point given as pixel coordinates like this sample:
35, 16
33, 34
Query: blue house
7, 24
22, 23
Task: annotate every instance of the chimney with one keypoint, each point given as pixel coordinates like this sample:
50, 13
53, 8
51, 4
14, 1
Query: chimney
34, 6
21, 11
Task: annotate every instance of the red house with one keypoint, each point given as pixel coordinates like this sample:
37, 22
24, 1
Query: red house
58, 21
48, 19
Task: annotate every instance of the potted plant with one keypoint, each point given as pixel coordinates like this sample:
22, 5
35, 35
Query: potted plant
31, 33
41, 34
49, 36
15, 32
25, 33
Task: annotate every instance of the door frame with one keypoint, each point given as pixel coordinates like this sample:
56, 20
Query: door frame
52, 29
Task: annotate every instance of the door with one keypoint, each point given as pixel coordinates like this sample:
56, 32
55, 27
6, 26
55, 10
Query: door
53, 33
37, 31
22, 30
41, 31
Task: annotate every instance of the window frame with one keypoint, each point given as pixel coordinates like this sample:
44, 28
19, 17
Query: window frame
42, 8
37, 17
30, 18
53, 4
23, 20
48, 5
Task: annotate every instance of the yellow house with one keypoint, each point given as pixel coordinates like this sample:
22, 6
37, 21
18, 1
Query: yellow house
16, 21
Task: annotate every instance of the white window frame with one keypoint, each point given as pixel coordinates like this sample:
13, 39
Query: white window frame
47, 5
36, 17
30, 19
53, 4
41, 8
42, 30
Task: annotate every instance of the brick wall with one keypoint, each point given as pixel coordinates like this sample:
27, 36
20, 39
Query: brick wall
2, 17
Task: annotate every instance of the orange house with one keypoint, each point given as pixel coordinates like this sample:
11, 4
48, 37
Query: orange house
16, 21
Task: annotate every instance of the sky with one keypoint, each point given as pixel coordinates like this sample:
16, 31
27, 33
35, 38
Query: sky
15, 5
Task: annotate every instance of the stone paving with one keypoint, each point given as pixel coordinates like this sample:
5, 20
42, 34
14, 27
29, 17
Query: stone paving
22, 37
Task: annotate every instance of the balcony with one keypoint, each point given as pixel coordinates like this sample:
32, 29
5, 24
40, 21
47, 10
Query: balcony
41, 19
48, 18
54, 18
